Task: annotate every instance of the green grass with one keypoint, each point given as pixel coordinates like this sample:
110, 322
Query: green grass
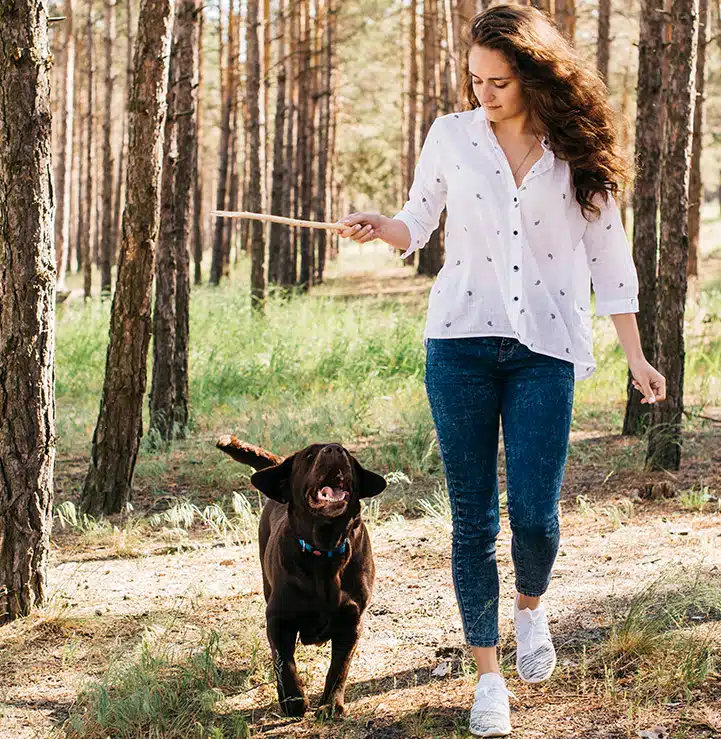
160, 693
317, 367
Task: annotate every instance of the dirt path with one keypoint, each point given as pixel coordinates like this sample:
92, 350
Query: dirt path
412, 627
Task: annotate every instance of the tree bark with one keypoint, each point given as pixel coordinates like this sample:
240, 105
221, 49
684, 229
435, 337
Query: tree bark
186, 103
64, 183
216, 265
107, 244
326, 67
83, 205
89, 137
286, 275
649, 140
430, 258
603, 46
664, 444
257, 240
276, 247
198, 173
305, 144
566, 18
118, 431
27, 308
119, 182
162, 390
412, 108
695, 183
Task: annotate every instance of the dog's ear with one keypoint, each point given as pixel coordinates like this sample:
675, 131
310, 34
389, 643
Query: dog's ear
370, 484
275, 481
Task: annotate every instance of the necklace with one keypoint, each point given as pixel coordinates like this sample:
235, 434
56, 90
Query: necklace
533, 143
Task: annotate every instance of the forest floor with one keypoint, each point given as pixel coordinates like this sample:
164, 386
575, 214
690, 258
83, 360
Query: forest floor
154, 627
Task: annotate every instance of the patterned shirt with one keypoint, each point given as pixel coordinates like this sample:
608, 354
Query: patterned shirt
518, 260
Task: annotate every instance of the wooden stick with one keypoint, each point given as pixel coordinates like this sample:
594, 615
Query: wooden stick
275, 219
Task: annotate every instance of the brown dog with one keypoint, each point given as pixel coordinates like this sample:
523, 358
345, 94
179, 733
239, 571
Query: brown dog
316, 558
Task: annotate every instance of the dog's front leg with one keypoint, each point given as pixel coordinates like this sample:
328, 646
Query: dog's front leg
344, 640
282, 637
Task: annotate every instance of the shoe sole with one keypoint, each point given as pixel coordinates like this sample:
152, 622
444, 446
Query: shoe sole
492, 732
538, 679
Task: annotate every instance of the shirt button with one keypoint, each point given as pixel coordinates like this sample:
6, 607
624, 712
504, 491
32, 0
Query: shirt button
515, 200
515, 233
515, 298
515, 267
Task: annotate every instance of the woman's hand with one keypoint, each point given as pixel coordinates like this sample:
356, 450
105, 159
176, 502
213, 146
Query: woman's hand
648, 381
361, 227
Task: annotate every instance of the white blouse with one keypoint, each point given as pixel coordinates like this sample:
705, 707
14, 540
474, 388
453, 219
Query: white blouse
518, 260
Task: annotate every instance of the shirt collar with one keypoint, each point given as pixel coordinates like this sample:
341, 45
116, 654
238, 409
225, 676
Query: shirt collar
480, 117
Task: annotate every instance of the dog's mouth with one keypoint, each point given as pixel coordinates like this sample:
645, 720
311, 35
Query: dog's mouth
328, 497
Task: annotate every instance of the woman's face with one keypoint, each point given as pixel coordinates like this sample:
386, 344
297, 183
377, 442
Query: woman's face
495, 84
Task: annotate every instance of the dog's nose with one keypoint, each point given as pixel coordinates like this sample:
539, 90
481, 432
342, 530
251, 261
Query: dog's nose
332, 448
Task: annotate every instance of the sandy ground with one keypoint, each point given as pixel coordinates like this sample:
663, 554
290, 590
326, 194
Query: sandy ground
411, 628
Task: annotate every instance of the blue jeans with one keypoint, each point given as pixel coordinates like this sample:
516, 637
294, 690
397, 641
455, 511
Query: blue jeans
471, 383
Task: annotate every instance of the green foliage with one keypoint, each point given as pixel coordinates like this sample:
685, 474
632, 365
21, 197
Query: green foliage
160, 695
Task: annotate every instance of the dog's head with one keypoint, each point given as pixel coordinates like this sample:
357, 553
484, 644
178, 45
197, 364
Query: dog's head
324, 479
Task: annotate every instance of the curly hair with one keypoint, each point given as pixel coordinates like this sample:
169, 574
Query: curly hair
567, 98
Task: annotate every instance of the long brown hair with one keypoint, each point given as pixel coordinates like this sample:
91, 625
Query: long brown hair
566, 97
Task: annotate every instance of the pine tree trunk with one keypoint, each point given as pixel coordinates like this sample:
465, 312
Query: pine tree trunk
64, 182
162, 390
27, 308
305, 127
326, 66
275, 245
255, 205
89, 194
430, 258
75, 209
198, 173
107, 245
317, 68
186, 104
603, 45
229, 223
664, 444
412, 108
624, 196
118, 431
120, 181
216, 265
565, 14
649, 141
695, 183
83, 205
463, 12
297, 156
286, 276
265, 89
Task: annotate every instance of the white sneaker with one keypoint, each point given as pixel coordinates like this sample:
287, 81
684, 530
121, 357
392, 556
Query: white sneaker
490, 715
535, 654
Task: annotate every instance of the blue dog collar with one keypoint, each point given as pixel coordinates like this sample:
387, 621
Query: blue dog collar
321, 552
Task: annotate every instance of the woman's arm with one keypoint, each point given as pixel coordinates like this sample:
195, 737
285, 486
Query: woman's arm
362, 227
647, 380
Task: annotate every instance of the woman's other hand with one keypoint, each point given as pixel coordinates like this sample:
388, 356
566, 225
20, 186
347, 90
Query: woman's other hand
361, 227
648, 381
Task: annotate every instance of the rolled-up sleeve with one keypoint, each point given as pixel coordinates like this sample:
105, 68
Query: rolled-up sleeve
427, 196
610, 261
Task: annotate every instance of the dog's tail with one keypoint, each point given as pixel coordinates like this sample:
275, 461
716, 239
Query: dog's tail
254, 456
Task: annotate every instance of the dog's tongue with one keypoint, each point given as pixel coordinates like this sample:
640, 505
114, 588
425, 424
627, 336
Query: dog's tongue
329, 493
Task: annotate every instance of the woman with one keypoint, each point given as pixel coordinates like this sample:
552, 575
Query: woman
528, 173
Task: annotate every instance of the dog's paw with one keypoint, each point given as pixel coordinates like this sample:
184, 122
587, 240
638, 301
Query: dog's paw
331, 710
294, 707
